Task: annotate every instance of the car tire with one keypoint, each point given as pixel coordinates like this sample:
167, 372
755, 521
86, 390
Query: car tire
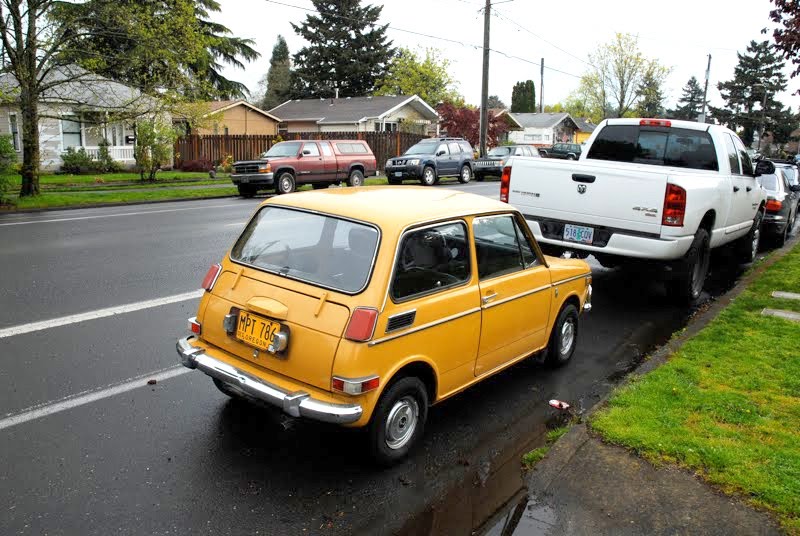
285, 184
320, 185
393, 181
429, 177
356, 178
691, 272
465, 175
246, 190
747, 246
564, 337
571, 157
398, 420
780, 239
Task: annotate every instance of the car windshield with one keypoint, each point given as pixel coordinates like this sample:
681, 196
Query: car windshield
499, 151
323, 250
425, 147
284, 148
769, 182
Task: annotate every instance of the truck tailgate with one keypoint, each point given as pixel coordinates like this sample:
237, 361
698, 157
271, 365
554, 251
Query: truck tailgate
593, 193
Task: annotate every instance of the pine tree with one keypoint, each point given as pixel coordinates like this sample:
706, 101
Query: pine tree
691, 102
651, 101
523, 97
277, 83
347, 49
758, 76
495, 102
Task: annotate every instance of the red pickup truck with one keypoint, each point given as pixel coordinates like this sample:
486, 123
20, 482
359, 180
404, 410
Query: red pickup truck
289, 164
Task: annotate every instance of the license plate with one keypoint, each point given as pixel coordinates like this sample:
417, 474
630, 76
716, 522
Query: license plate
578, 233
255, 330
244, 180
398, 173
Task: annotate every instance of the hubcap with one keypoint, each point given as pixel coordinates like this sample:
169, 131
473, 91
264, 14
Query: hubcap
401, 422
429, 176
567, 336
286, 185
465, 175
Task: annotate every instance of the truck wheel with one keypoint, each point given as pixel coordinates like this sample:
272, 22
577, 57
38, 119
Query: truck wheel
246, 190
747, 246
465, 176
691, 272
428, 176
398, 420
564, 337
356, 178
285, 184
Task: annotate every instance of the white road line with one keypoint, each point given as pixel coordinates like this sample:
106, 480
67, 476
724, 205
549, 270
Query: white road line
118, 215
89, 396
99, 313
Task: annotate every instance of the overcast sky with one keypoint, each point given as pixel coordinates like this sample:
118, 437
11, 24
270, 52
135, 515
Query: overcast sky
679, 33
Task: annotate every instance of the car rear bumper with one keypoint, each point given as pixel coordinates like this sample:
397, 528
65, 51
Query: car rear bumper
296, 404
775, 223
266, 179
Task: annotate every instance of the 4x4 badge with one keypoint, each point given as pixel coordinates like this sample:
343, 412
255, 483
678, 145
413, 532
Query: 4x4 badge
581, 188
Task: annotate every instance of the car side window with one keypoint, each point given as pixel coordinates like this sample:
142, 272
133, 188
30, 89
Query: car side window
312, 148
454, 148
326, 148
430, 260
465, 148
499, 248
442, 150
747, 164
733, 155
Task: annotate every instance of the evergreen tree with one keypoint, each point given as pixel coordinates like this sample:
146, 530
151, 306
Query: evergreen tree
691, 102
277, 84
758, 76
347, 49
523, 97
494, 102
651, 100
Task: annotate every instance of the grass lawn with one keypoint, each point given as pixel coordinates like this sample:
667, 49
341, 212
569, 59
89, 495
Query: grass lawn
727, 404
103, 178
51, 200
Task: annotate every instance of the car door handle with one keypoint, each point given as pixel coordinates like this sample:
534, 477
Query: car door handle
489, 297
580, 177
735, 189
749, 188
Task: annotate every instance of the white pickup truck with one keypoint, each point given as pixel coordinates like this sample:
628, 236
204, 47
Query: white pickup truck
648, 189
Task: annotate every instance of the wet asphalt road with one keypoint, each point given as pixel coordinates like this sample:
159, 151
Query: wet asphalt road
178, 457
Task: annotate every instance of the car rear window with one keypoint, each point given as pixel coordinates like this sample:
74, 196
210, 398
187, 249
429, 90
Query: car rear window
323, 250
658, 146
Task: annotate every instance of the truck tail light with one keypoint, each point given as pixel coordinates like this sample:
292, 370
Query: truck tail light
773, 205
655, 123
505, 183
211, 277
674, 206
362, 324
357, 386
194, 326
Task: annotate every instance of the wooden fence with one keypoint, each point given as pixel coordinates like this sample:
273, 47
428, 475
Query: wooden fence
215, 148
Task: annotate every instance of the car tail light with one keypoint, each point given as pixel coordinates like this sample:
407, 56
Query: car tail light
505, 183
362, 324
194, 326
773, 205
211, 277
655, 123
674, 206
355, 386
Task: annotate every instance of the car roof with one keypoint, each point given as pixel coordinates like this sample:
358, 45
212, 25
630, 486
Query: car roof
392, 207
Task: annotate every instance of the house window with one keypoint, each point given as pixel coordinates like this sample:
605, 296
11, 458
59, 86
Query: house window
14, 131
71, 131
533, 137
547, 137
385, 126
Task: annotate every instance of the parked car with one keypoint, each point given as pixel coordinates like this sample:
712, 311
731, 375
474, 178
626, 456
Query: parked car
289, 164
492, 165
362, 307
563, 151
654, 190
431, 159
782, 199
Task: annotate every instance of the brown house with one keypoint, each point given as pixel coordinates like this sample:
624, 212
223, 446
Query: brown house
234, 117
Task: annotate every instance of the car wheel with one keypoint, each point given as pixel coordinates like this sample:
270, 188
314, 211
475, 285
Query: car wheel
246, 190
394, 181
690, 278
780, 240
356, 178
747, 246
286, 183
465, 176
570, 157
564, 337
398, 420
428, 176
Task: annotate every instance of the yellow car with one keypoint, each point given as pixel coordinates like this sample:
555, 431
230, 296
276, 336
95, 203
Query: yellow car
364, 306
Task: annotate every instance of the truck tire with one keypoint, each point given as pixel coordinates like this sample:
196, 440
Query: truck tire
690, 272
428, 176
245, 190
398, 420
356, 178
465, 175
747, 246
564, 337
285, 183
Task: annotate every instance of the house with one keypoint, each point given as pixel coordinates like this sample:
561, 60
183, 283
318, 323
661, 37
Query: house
585, 129
231, 117
543, 129
356, 114
80, 112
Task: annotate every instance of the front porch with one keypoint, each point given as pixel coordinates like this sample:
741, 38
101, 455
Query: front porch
90, 130
119, 153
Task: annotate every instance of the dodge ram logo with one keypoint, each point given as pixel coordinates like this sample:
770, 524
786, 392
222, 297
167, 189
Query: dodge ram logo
581, 188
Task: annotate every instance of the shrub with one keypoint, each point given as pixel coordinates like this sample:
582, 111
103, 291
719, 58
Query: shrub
76, 162
226, 165
197, 165
104, 161
155, 138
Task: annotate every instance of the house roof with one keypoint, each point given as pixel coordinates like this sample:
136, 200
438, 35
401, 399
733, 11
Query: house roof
543, 120
350, 109
584, 125
221, 106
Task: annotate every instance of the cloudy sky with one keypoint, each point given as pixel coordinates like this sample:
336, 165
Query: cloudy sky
679, 33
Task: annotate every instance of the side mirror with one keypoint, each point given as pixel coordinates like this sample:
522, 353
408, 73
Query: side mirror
764, 167
439, 153
306, 151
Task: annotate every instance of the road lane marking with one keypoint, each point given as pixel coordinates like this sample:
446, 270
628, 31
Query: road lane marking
99, 313
89, 396
118, 215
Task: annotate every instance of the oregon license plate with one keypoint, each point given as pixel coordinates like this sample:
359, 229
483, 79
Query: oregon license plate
255, 330
578, 233
398, 173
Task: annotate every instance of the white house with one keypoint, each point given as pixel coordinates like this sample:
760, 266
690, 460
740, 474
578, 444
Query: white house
543, 129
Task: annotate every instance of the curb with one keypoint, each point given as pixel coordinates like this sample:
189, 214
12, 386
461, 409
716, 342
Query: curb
101, 205
563, 450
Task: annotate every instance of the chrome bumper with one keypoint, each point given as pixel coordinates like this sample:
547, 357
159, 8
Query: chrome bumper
587, 306
296, 404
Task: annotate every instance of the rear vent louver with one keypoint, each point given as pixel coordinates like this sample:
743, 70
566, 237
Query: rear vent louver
403, 320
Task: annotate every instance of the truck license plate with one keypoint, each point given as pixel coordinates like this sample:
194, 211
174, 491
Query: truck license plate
578, 233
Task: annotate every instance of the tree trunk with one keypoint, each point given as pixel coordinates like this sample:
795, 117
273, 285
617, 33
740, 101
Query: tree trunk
30, 143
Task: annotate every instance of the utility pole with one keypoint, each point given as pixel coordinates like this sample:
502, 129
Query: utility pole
705, 91
484, 121
763, 116
541, 87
